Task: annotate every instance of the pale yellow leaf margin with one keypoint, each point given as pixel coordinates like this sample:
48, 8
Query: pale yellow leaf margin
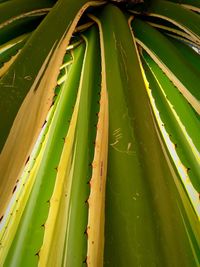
96, 201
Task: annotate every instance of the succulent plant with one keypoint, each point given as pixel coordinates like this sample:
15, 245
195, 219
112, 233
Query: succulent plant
99, 133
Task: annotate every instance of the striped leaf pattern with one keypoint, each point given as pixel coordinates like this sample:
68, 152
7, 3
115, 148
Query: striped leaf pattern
99, 133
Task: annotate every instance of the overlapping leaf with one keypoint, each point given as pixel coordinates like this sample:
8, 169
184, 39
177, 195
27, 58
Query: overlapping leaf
32, 79
106, 163
140, 177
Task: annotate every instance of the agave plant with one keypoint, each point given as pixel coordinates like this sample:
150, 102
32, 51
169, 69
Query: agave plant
99, 133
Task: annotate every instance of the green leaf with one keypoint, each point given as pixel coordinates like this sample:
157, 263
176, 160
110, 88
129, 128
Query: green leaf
192, 56
24, 108
10, 49
178, 15
190, 4
78, 193
22, 190
170, 60
142, 193
179, 119
29, 236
